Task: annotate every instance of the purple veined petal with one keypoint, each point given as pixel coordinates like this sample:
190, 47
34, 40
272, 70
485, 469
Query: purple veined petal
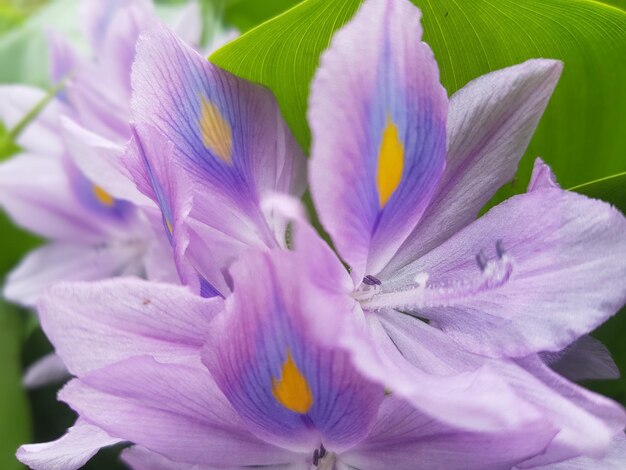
94, 324
378, 116
579, 434
290, 388
70, 452
148, 403
113, 31
475, 398
585, 359
58, 261
47, 370
159, 266
532, 275
542, 177
100, 160
139, 458
110, 211
200, 260
586, 422
490, 123
101, 109
227, 133
149, 164
49, 196
41, 136
615, 459
404, 438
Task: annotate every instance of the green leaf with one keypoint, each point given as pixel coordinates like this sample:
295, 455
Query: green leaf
582, 133
610, 189
14, 414
618, 3
246, 14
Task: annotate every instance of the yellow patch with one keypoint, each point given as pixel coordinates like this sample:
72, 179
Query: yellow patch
169, 226
390, 162
102, 196
292, 390
217, 135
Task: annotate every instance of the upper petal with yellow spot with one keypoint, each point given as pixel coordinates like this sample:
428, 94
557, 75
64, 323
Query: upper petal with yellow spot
217, 134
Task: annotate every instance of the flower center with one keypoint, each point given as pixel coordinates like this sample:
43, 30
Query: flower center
322, 459
370, 286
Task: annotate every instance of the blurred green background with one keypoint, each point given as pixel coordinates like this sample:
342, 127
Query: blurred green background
582, 135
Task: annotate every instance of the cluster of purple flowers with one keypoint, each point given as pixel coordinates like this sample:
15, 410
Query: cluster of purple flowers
426, 337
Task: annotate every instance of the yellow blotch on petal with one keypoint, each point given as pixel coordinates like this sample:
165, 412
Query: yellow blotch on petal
390, 162
169, 226
217, 135
292, 390
102, 196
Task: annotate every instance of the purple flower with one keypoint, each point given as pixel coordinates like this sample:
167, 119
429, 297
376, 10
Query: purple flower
401, 206
436, 350
511, 285
68, 185
254, 384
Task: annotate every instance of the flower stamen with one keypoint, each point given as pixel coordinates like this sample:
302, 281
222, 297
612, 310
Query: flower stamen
428, 294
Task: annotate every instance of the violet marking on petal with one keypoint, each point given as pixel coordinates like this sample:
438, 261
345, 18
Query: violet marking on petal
500, 249
481, 259
371, 280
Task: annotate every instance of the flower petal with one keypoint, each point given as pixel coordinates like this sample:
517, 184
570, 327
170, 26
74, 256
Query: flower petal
550, 269
292, 389
47, 370
402, 435
542, 177
139, 458
69, 452
378, 121
588, 422
49, 196
92, 325
585, 422
148, 403
490, 123
615, 459
100, 160
226, 132
113, 31
56, 262
585, 359
200, 257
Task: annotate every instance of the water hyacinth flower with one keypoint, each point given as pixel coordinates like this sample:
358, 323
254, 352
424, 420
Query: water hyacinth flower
80, 198
252, 385
491, 121
67, 184
290, 371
